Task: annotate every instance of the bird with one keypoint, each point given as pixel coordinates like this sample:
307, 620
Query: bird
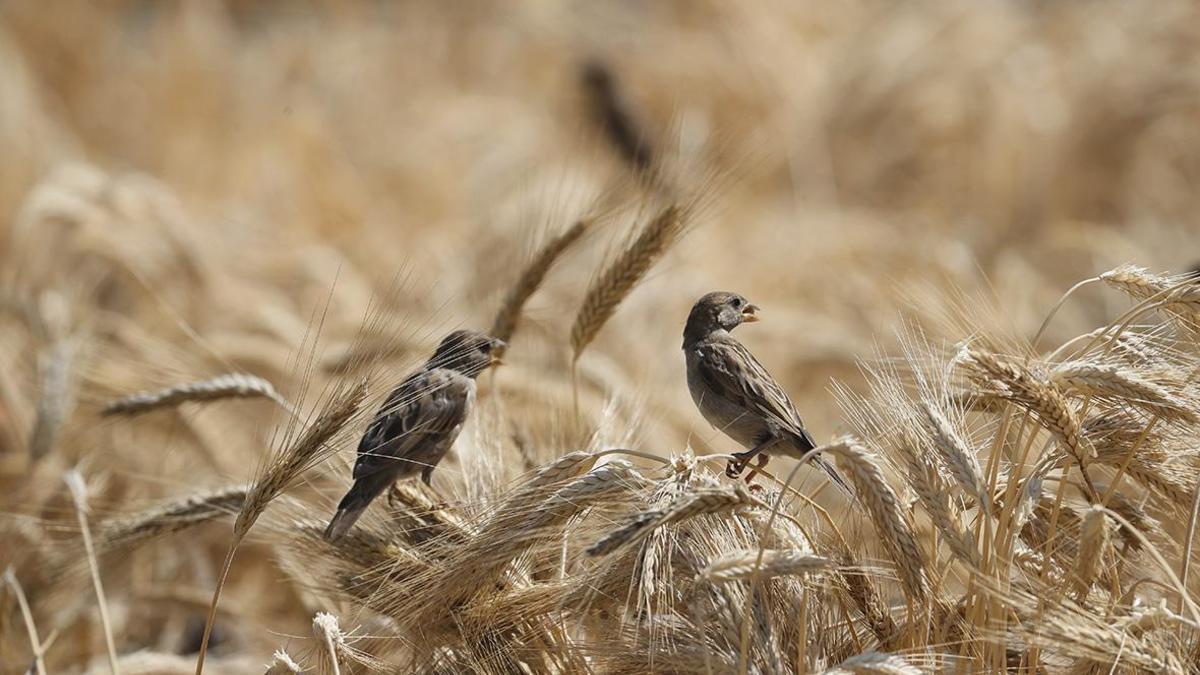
736, 394
418, 423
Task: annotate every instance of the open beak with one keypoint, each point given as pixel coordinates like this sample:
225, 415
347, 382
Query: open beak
749, 314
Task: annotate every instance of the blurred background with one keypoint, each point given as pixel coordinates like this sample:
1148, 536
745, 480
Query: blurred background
184, 186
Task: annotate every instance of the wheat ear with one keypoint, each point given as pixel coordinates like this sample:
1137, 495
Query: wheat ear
505, 323
955, 453
891, 521
230, 385
616, 281
326, 629
689, 505
741, 565
1093, 544
284, 467
1124, 384
79, 495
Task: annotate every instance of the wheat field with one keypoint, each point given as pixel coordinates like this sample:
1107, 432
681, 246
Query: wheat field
229, 229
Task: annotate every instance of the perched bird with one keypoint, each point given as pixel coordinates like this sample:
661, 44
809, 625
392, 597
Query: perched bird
735, 393
418, 423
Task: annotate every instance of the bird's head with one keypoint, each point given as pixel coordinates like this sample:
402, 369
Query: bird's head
469, 352
718, 310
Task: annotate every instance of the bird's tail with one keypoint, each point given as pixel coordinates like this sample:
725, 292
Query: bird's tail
342, 521
834, 476
356, 501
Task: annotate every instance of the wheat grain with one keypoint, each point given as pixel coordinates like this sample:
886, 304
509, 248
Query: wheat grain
230, 385
619, 278
531, 278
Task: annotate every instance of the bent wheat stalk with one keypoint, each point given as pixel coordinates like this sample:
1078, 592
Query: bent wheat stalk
230, 385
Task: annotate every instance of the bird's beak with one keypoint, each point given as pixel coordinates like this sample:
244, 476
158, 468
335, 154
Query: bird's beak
749, 314
497, 361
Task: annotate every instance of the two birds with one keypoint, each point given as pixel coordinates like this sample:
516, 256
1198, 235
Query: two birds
420, 420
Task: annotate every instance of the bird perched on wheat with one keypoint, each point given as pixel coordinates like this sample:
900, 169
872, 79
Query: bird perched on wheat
418, 423
736, 394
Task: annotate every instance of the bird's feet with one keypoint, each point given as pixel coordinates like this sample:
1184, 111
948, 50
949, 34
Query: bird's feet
736, 466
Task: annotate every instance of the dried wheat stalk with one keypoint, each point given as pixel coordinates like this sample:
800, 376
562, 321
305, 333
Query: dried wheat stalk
230, 385
35, 642
79, 496
615, 282
531, 278
1182, 302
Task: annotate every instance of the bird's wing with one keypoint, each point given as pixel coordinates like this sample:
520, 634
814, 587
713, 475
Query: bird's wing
732, 372
425, 408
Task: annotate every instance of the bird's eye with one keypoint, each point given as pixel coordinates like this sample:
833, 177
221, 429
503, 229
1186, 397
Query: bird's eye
737, 303
486, 348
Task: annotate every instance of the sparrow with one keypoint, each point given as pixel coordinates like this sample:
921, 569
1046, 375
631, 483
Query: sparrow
418, 422
736, 394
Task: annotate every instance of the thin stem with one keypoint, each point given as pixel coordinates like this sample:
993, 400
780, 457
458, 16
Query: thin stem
744, 647
1058, 306
27, 615
212, 608
79, 495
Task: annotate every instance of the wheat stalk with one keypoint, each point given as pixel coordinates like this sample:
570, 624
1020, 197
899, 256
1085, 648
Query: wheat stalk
79, 496
35, 642
169, 517
531, 278
230, 385
619, 278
